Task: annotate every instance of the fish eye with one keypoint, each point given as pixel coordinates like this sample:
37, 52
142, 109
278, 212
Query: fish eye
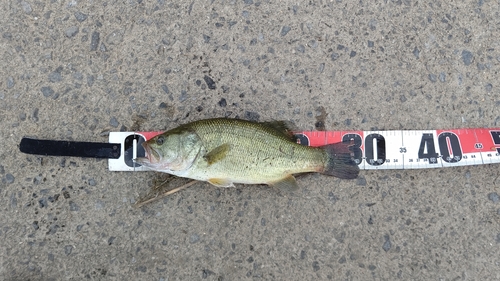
160, 140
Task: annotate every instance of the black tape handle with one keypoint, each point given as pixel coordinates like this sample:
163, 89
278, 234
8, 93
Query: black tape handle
70, 148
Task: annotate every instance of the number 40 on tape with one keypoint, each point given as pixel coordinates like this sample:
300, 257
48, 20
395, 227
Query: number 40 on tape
408, 149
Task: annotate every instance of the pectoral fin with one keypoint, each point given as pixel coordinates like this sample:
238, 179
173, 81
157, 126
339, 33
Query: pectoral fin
288, 184
221, 182
217, 154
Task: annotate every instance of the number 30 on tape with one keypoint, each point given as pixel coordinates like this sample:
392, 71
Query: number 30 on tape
409, 149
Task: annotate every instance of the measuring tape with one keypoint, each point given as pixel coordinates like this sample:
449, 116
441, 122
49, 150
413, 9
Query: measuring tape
411, 149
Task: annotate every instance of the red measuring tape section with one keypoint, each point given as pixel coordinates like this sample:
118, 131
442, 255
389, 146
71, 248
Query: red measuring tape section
411, 149
415, 149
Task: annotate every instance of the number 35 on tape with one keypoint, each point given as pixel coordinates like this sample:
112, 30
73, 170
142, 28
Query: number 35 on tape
409, 149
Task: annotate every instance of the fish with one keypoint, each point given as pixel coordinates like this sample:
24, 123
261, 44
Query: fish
225, 151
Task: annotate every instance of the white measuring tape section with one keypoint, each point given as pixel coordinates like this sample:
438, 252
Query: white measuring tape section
397, 150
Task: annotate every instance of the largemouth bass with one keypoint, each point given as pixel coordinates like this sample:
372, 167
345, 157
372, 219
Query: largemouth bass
227, 151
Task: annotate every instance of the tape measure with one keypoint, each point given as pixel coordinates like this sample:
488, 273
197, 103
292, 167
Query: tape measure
415, 149
407, 149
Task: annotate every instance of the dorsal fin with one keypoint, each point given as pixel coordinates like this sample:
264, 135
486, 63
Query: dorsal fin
282, 127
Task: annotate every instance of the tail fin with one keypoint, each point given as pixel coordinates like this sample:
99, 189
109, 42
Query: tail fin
340, 163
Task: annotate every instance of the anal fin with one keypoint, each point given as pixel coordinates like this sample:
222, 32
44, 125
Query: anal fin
221, 182
288, 184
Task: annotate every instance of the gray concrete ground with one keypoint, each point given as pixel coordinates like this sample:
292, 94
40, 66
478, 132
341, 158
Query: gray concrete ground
75, 70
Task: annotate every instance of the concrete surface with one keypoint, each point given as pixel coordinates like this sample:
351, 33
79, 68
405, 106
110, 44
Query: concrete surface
75, 70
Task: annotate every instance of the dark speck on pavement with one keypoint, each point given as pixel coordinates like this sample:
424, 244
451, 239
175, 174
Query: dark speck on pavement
285, 30
80, 16
467, 57
387, 243
47, 91
494, 197
9, 178
114, 122
210, 82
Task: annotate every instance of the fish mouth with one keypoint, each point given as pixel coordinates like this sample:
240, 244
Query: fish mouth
151, 154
